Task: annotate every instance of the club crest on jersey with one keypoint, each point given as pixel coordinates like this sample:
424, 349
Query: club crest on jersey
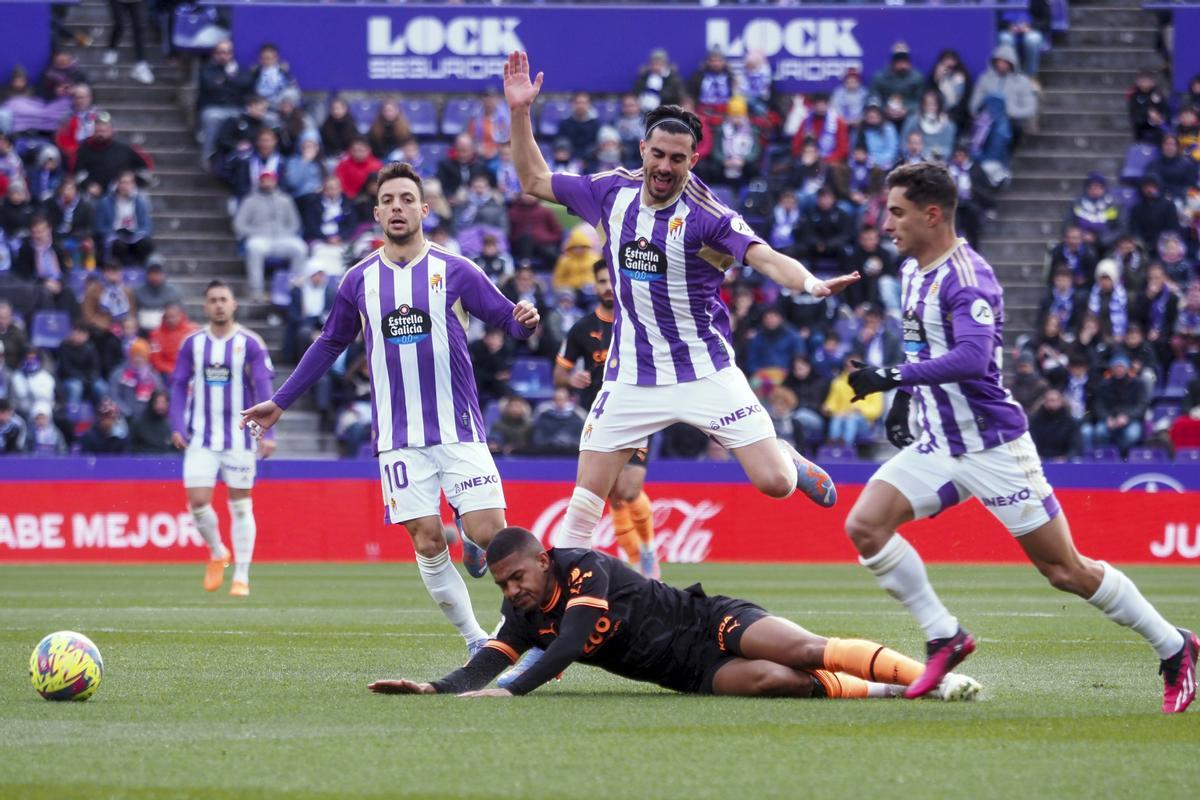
217, 374
435, 282
406, 325
641, 260
674, 227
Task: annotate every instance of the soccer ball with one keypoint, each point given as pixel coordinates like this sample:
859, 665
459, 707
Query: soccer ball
66, 666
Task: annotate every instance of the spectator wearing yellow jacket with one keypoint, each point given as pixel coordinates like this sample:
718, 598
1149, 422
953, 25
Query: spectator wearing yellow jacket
848, 421
574, 267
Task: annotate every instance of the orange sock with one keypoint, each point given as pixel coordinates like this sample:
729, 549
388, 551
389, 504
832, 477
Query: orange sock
871, 661
627, 537
839, 685
643, 519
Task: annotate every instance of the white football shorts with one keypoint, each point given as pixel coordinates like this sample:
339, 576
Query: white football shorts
1007, 479
625, 415
201, 466
414, 478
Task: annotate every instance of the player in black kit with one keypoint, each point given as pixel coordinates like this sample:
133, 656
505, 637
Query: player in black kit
587, 343
581, 605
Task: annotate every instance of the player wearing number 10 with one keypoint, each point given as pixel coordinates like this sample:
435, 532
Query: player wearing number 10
410, 300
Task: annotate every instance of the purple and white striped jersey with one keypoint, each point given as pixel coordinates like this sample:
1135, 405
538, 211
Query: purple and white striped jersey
413, 318
214, 380
960, 401
667, 264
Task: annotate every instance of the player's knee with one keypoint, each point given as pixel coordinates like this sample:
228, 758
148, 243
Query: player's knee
1064, 577
776, 484
867, 534
241, 508
428, 543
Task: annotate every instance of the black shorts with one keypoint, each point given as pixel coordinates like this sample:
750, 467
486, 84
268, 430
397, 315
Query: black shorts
715, 641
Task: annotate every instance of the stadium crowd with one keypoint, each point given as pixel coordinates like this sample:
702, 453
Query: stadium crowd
90, 324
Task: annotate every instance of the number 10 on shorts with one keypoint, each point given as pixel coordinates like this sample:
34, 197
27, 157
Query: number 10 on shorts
395, 475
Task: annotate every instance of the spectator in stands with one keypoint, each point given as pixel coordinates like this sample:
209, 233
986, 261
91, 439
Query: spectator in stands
511, 432
1185, 430
1027, 385
849, 422
1143, 361
456, 169
781, 408
1080, 388
45, 178
534, 231
1119, 408
771, 351
494, 262
1147, 107
265, 157
630, 127
365, 200
505, 170
878, 137
109, 435
1003, 79
737, 150
40, 258
492, 359
785, 216
237, 136
167, 338
356, 166
581, 127
492, 127
858, 180
1077, 255
223, 87
829, 131
608, 151
43, 436
150, 432
79, 126
1026, 30
481, 206
12, 337
880, 271
338, 130
71, 219
153, 296
575, 267
440, 213
328, 217
1051, 351
1054, 430
33, 383
62, 74
12, 169
1187, 128
1065, 301
712, 85
294, 123
1186, 341
874, 342
808, 176
135, 10
1191, 97
1155, 309
270, 77
12, 429
849, 99
913, 151
79, 371
825, 232
561, 159
756, 84
304, 172
810, 390
827, 359
389, 130
312, 299
1177, 172
16, 213
937, 129
123, 223
1096, 213
557, 426
268, 224
658, 83
107, 303
1172, 254
1108, 301
102, 158
133, 382
1152, 214
899, 85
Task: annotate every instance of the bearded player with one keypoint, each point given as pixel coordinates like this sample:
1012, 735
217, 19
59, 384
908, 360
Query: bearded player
580, 365
972, 440
410, 300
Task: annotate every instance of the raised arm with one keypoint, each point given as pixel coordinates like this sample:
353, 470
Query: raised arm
520, 92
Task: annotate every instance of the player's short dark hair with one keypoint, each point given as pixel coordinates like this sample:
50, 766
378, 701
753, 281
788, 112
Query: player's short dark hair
216, 283
675, 119
926, 183
600, 266
511, 540
399, 169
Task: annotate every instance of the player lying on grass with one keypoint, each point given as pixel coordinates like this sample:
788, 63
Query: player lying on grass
580, 605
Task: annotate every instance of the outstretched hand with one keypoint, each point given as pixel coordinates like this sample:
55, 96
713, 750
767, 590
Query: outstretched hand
519, 91
835, 285
260, 417
401, 686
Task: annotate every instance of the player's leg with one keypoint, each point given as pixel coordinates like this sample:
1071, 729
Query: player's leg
633, 517
910, 486
740, 677
594, 479
238, 469
200, 467
472, 487
412, 484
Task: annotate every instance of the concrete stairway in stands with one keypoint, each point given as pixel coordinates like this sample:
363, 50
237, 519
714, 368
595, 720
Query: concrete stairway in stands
191, 223
1083, 128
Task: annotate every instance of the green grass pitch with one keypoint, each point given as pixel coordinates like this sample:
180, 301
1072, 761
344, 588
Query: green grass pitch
206, 696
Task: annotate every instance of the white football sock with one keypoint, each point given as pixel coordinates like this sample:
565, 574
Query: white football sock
1121, 602
901, 573
445, 585
206, 523
884, 689
242, 532
582, 517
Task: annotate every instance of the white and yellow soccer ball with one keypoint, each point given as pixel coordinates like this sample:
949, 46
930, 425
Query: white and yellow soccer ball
66, 666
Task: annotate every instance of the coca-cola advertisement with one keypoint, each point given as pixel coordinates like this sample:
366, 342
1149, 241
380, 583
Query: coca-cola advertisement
135, 510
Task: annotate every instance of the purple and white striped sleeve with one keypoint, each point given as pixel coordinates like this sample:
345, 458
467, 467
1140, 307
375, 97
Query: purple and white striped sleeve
483, 300
974, 322
261, 373
181, 379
